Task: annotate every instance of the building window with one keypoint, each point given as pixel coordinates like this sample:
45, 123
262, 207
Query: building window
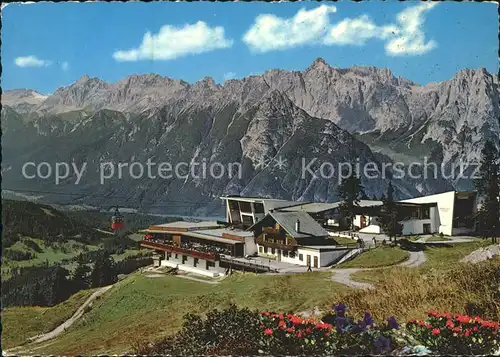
258, 207
266, 250
247, 221
261, 249
233, 205
301, 257
195, 262
272, 250
427, 228
245, 207
426, 214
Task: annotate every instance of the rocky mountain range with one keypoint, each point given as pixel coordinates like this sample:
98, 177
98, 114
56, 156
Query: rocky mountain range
322, 113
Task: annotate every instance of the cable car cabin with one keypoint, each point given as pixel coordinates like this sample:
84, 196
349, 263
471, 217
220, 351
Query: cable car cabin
117, 221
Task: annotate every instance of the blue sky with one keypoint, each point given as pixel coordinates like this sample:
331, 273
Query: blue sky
48, 45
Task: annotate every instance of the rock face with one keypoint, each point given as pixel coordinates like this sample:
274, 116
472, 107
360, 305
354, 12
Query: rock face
482, 254
23, 100
323, 113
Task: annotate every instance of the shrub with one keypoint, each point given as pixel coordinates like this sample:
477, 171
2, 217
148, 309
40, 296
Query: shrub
456, 334
235, 331
232, 331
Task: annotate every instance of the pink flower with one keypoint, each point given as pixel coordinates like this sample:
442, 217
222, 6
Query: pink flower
436, 331
268, 331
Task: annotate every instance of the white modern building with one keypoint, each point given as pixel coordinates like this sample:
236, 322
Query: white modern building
450, 213
246, 211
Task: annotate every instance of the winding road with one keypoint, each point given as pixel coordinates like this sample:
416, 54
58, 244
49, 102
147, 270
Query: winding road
16, 351
343, 276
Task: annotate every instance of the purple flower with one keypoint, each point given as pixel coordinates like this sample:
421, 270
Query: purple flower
340, 323
392, 323
360, 327
383, 344
368, 319
340, 309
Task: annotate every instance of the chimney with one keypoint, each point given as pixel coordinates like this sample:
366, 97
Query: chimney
297, 226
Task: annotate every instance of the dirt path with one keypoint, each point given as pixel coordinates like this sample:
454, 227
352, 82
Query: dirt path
16, 351
66, 324
343, 276
454, 240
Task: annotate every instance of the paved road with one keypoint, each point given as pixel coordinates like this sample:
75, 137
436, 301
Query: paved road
343, 276
454, 240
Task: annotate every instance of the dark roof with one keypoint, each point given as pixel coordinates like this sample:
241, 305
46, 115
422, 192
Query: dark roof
308, 226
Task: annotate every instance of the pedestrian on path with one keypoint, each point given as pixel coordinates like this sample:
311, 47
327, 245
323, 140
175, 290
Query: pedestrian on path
309, 268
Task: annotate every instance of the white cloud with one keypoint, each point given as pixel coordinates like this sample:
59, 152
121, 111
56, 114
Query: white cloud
411, 39
406, 37
357, 31
31, 61
229, 75
65, 66
270, 33
173, 42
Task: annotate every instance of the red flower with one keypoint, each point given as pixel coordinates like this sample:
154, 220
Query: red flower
436, 331
421, 323
299, 334
265, 313
327, 334
262, 326
448, 315
457, 329
296, 320
289, 330
432, 314
450, 324
281, 316
489, 324
308, 330
464, 319
467, 333
282, 323
475, 329
268, 331
323, 326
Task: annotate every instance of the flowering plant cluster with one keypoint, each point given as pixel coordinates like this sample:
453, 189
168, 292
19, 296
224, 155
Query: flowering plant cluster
335, 333
445, 333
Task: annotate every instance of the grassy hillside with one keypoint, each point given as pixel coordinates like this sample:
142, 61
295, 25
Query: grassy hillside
37, 235
28, 219
142, 308
377, 257
21, 323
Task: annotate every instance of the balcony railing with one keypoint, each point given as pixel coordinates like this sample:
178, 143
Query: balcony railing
175, 249
276, 241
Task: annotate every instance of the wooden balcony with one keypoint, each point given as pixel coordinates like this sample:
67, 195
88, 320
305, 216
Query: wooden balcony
277, 241
179, 250
270, 230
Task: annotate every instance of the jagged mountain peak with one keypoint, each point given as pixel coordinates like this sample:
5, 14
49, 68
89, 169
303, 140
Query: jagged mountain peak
83, 79
319, 63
